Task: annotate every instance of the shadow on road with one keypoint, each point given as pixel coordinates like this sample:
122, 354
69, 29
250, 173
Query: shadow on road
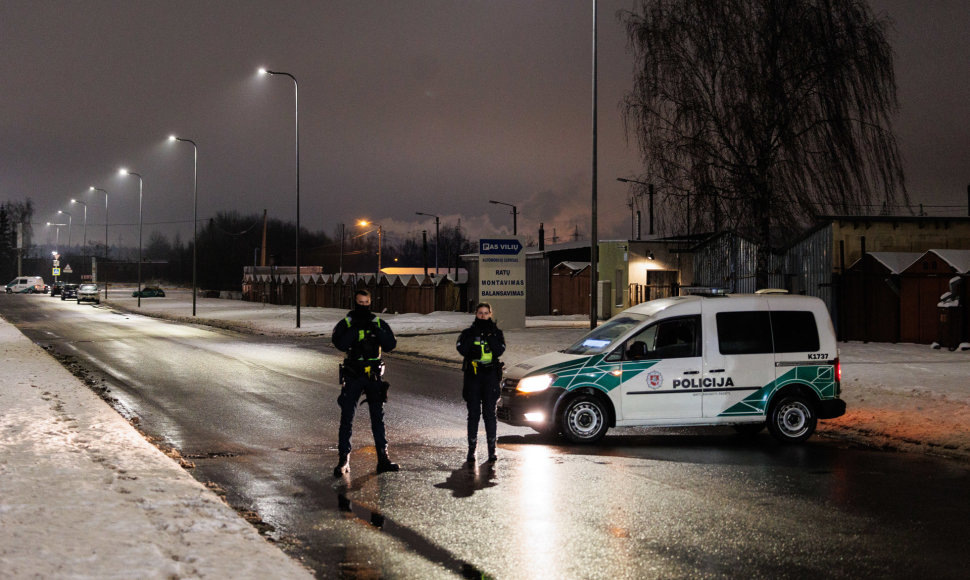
469, 478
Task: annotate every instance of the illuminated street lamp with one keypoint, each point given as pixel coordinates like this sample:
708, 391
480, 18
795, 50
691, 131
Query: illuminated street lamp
195, 214
380, 234
70, 220
57, 241
515, 214
85, 230
57, 235
296, 101
141, 184
437, 223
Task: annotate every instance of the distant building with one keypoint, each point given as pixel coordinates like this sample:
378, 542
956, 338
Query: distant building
538, 274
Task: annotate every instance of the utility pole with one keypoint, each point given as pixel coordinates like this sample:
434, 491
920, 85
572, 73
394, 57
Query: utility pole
635, 202
341, 263
424, 250
20, 249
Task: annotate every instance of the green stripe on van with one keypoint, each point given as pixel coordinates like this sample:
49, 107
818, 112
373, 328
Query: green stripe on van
820, 378
593, 371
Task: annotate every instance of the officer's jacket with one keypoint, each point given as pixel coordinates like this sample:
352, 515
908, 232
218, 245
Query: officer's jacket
363, 336
481, 344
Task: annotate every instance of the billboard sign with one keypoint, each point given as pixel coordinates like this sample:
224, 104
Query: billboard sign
501, 279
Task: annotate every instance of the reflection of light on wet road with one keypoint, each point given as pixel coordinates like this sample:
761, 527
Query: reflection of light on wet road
536, 515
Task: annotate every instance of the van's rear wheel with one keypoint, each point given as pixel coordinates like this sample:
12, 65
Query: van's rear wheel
584, 419
792, 419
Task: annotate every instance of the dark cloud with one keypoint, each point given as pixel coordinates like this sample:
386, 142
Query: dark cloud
404, 106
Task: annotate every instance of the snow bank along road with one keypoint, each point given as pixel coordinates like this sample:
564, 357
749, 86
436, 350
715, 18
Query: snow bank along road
82, 494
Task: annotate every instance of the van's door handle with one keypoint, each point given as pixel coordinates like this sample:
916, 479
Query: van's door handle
716, 371
692, 372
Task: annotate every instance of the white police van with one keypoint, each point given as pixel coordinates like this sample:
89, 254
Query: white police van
26, 285
746, 360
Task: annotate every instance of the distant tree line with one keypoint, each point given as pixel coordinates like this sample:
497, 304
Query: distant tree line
11, 214
230, 241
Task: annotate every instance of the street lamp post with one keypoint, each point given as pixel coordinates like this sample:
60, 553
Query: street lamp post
93, 188
70, 220
594, 216
57, 235
515, 214
296, 101
380, 234
437, 223
57, 241
141, 184
195, 216
84, 244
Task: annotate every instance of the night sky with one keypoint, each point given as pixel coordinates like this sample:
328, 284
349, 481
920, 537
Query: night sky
405, 106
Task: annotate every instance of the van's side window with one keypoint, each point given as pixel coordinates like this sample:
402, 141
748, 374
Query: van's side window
794, 331
744, 332
674, 338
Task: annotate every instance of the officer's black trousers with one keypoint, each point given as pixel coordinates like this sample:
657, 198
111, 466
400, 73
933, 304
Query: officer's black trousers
481, 392
349, 395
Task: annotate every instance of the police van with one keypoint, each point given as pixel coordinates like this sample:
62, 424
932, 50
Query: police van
746, 360
26, 285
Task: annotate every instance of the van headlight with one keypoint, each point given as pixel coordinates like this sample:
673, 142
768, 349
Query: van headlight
535, 384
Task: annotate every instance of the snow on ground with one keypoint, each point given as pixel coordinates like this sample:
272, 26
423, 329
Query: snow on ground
83, 495
899, 396
905, 396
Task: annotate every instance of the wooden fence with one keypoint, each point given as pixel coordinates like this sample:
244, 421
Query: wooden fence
397, 294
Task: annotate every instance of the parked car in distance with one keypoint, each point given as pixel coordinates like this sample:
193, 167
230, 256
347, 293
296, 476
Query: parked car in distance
68, 291
56, 288
150, 292
88, 293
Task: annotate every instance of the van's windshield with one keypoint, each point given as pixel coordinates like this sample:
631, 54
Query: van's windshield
600, 338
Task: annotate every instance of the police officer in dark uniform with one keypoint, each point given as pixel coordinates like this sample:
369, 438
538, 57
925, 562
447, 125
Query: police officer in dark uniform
481, 345
363, 336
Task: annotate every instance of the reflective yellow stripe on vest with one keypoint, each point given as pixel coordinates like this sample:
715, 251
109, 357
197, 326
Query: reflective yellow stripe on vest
486, 356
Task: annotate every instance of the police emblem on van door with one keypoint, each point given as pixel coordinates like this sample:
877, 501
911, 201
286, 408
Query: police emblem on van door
655, 379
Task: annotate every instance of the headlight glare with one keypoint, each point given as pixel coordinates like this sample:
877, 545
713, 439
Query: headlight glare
534, 384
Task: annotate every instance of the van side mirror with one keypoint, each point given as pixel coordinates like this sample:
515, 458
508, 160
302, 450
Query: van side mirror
637, 350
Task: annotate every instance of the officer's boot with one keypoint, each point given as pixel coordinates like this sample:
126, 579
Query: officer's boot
472, 446
491, 450
384, 462
343, 465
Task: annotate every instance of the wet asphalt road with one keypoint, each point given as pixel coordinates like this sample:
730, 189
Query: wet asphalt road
258, 417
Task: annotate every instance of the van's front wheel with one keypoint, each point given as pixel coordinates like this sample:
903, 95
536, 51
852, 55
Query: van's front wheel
584, 420
792, 419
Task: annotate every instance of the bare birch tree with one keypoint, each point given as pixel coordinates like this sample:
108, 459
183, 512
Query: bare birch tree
764, 114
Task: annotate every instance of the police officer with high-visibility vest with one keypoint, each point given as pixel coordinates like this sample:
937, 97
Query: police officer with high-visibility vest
363, 336
481, 345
